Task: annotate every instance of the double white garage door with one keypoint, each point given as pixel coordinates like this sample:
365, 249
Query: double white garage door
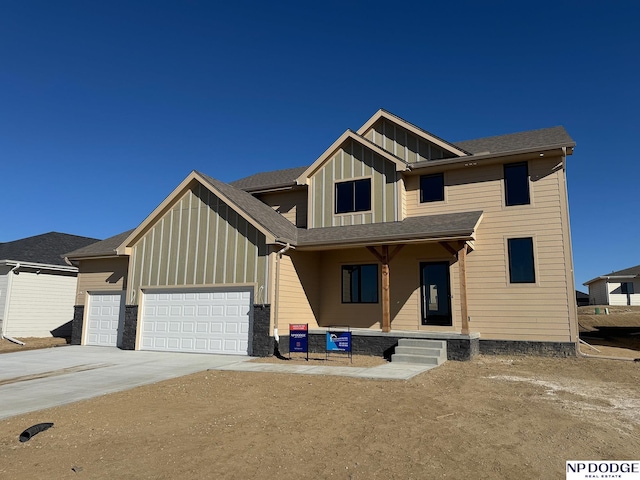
203, 321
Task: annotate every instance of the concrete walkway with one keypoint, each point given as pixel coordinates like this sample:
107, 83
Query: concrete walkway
37, 379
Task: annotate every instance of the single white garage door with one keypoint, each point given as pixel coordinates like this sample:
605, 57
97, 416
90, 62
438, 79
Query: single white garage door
103, 319
213, 321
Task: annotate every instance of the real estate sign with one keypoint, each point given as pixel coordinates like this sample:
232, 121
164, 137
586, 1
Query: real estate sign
299, 338
338, 341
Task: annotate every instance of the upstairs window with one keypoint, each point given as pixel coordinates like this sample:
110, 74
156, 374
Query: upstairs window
360, 283
432, 188
353, 196
516, 184
521, 264
626, 288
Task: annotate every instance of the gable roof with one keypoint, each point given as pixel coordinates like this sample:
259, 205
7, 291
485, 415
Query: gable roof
47, 249
541, 138
104, 248
256, 211
627, 273
269, 180
273, 225
382, 113
349, 135
544, 138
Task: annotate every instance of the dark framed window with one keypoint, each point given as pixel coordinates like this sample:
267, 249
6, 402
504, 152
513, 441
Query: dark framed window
353, 196
360, 283
432, 188
516, 184
626, 288
521, 263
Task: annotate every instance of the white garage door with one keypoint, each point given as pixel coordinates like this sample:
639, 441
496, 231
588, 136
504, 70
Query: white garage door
103, 319
196, 321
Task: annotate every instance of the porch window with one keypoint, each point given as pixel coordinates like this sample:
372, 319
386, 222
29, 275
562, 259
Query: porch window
353, 196
626, 288
432, 188
521, 264
516, 184
360, 283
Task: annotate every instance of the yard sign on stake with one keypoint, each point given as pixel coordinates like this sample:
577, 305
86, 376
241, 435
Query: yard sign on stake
299, 338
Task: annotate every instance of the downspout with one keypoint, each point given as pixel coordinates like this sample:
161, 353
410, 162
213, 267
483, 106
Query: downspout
6, 307
277, 292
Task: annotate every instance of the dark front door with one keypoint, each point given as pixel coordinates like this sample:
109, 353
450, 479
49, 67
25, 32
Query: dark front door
435, 293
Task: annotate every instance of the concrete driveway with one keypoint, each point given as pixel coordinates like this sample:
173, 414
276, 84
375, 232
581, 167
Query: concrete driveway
38, 379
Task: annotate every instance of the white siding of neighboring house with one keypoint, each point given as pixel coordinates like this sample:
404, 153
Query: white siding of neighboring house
619, 299
598, 293
39, 303
4, 286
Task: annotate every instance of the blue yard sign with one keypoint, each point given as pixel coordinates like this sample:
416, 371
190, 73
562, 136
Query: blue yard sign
299, 338
338, 341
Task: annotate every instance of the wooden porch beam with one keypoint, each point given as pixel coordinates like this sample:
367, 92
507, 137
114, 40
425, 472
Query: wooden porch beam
449, 248
385, 258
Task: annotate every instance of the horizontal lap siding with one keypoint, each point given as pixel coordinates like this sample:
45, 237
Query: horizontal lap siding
498, 309
299, 290
101, 275
39, 303
199, 241
354, 161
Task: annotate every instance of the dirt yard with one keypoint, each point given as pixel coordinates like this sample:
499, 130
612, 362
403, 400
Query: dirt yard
495, 417
30, 343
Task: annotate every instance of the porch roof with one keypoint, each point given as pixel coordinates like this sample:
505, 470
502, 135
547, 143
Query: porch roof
448, 226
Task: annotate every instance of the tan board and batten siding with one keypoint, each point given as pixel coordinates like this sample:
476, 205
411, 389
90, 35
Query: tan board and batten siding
498, 309
354, 161
199, 241
402, 143
292, 205
101, 275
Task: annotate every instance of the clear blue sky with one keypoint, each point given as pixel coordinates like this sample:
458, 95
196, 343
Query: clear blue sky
106, 106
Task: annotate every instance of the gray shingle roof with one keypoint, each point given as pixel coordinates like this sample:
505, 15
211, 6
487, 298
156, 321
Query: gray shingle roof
48, 248
627, 271
425, 227
104, 248
281, 228
273, 179
543, 137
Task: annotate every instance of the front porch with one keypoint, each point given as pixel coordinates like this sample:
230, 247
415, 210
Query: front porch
460, 347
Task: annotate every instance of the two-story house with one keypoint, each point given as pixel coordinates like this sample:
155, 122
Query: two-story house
392, 232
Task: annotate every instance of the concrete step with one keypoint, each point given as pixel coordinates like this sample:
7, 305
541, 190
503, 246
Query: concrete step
416, 342
429, 352
416, 359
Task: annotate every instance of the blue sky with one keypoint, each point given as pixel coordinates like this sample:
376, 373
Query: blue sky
106, 106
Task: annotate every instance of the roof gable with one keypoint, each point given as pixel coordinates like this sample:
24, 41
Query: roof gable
261, 216
303, 178
47, 249
423, 134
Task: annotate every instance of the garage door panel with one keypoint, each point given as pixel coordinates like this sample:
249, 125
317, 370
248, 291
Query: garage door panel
103, 319
213, 322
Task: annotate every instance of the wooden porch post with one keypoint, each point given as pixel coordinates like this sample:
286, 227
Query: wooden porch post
464, 307
385, 259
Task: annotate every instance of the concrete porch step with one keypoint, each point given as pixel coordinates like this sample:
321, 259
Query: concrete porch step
420, 352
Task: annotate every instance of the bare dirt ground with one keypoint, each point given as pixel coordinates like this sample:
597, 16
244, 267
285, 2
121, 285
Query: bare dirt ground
30, 343
495, 417
615, 334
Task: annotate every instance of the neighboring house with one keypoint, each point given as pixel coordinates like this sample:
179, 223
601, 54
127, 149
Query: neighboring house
37, 287
616, 288
392, 232
582, 299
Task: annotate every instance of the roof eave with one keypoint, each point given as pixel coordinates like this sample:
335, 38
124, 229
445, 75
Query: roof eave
391, 240
39, 266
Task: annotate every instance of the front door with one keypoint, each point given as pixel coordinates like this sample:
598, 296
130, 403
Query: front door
435, 293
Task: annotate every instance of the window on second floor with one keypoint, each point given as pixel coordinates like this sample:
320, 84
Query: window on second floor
432, 188
353, 196
360, 283
516, 184
521, 263
626, 288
